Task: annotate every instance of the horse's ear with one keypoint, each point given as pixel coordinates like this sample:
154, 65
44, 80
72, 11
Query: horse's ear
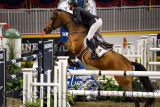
58, 9
52, 10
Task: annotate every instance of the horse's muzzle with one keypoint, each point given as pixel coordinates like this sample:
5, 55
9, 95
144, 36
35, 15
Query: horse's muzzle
45, 32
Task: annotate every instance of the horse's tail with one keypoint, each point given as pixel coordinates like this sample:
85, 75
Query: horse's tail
145, 82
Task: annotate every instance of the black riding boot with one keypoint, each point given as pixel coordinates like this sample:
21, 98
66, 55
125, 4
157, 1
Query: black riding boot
92, 45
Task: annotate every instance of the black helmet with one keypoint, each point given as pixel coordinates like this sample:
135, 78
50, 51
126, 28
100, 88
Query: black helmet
73, 2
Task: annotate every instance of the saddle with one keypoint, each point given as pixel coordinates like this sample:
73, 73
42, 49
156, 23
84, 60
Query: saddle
101, 42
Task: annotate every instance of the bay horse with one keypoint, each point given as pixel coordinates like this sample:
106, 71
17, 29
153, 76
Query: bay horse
111, 60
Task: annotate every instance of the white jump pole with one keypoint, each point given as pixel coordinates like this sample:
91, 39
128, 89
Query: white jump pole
114, 73
115, 93
154, 49
154, 63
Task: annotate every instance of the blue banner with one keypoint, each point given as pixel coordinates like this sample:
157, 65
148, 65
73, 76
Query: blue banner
74, 79
64, 34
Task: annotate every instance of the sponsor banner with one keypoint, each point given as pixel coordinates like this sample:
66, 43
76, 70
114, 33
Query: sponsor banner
64, 34
30, 45
75, 79
1, 55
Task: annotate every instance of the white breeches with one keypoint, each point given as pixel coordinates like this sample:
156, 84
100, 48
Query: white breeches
94, 28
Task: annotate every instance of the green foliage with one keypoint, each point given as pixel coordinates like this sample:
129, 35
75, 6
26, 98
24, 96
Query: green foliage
71, 100
13, 69
109, 85
33, 104
16, 83
75, 86
11, 47
137, 85
51, 101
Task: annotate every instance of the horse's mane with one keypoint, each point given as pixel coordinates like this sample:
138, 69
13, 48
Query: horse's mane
61, 10
72, 17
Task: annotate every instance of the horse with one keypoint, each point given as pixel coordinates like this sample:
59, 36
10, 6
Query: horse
111, 60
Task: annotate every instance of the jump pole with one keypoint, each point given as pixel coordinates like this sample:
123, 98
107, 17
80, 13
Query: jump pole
114, 73
115, 93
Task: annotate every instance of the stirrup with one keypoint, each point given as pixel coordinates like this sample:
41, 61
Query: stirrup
93, 56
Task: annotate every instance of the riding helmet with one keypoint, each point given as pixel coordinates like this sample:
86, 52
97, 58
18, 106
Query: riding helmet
73, 2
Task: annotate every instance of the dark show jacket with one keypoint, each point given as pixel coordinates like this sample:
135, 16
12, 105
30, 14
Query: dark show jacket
81, 15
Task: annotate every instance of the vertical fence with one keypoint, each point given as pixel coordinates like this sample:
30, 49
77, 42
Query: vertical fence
114, 19
129, 18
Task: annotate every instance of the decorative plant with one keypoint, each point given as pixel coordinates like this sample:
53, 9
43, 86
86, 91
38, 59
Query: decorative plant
11, 46
51, 101
33, 104
13, 69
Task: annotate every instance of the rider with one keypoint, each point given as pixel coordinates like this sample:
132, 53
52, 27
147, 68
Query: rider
95, 23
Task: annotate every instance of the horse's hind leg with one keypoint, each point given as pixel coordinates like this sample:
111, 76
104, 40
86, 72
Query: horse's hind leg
126, 84
145, 82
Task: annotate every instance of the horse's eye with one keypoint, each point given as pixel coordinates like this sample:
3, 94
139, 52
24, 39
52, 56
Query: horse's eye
52, 17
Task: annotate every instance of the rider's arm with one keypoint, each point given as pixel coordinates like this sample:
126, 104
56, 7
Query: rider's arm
77, 15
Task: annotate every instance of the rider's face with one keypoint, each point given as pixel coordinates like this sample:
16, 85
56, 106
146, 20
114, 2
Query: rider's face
70, 7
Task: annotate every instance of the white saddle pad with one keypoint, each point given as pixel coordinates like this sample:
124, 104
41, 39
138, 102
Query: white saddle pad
99, 50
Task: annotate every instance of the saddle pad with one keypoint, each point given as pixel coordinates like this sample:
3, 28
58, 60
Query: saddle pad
99, 50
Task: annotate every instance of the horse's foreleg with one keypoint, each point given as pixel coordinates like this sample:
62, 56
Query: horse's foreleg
57, 49
77, 65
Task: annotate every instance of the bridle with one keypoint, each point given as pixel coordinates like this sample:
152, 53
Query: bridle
53, 22
65, 24
53, 28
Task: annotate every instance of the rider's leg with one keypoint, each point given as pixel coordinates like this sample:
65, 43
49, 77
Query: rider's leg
92, 46
90, 41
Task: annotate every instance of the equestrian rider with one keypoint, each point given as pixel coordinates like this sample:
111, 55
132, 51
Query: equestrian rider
94, 22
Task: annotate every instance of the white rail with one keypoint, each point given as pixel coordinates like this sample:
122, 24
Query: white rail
115, 93
114, 73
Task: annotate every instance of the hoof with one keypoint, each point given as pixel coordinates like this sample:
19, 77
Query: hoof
56, 59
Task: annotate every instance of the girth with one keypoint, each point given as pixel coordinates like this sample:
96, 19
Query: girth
81, 55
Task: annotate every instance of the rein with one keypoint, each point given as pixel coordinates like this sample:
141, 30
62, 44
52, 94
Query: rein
65, 24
